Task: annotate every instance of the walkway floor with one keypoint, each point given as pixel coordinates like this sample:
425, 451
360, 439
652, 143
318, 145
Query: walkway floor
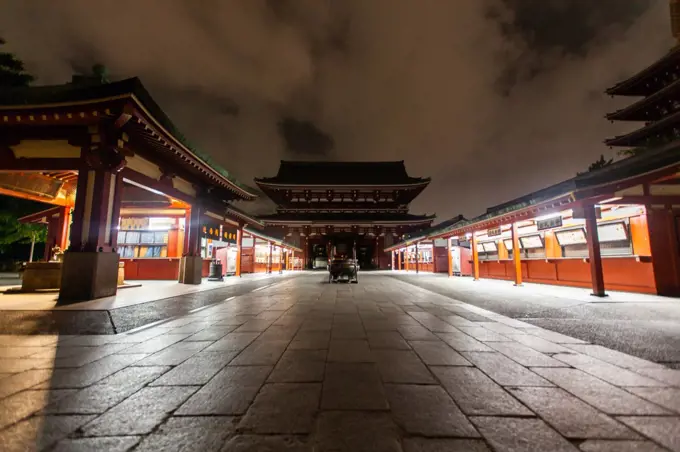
307, 366
646, 326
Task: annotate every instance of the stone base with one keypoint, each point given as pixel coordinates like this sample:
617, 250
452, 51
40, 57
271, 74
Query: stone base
190, 270
87, 276
41, 276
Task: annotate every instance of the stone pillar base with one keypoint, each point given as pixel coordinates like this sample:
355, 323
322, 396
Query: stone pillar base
87, 276
190, 270
41, 276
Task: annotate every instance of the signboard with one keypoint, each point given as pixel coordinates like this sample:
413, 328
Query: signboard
440, 242
495, 232
612, 232
550, 223
571, 237
211, 231
531, 241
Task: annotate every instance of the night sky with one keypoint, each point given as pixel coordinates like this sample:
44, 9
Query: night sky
491, 98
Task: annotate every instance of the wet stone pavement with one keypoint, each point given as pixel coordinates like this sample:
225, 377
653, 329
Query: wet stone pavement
307, 366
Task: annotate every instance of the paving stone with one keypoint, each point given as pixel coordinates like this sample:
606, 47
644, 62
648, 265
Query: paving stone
539, 344
90, 373
610, 373
387, 340
353, 386
299, 366
234, 342
39, 432
79, 356
504, 371
525, 355
669, 376
139, 413
500, 328
310, 340
350, 351
212, 333
463, 343
197, 370
438, 354
11, 366
457, 320
206, 434
444, 445
261, 353
428, 411
25, 403
108, 392
283, 408
570, 416
508, 434
477, 394
348, 331
380, 325
24, 380
174, 355
601, 395
600, 445
228, 393
482, 334
155, 344
663, 430
416, 333
552, 336
254, 325
614, 357
20, 352
397, 366
111, 444
356, 432
666, 397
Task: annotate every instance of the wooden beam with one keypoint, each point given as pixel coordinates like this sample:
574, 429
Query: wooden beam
40, 164
642, 200
30, 197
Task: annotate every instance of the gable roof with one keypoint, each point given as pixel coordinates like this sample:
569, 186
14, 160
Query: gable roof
341, 173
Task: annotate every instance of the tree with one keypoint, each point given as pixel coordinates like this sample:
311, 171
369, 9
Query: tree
599, 163
13, 232
12, 71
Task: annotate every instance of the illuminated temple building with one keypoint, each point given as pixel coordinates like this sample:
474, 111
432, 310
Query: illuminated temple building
343, 204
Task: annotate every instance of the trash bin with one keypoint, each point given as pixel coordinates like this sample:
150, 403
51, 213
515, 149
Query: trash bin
215, 271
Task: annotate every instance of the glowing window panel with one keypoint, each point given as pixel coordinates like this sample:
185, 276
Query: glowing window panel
480, 248
490, 247
531, 241
508, 244
612, 232
571, 237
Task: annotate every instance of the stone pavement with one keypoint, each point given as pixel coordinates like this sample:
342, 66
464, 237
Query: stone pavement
307, 366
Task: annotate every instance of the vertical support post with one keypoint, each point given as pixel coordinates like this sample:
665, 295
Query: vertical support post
449, 254
475, 257
516, 255
399, 259
239, 249
270, 258
417, 259
187, 223
392, 263
194, 248
407, 258
594, 254
292, 259
280, 259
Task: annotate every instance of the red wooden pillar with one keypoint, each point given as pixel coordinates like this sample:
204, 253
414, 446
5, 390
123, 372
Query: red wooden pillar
516, 256
475, 257
594, 255
291, 261
417, 259
239, 249
399, 252
187, 223
194, 243
407, 258
392, 262
664, 241
280, 259
270, 258
449, 255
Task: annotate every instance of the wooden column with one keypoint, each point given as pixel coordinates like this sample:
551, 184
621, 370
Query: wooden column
270, 258
280, 259
399, 258
292, 259
194, 243
594, 255
392, 262
417, 259
449, 253
516, 256
475, 257
187, 223
407, 259
239, 249
664, 241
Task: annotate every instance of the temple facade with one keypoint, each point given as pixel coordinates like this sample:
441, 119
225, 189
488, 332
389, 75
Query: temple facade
348, 205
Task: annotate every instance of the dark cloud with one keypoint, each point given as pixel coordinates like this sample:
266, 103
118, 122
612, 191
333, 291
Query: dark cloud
491, 98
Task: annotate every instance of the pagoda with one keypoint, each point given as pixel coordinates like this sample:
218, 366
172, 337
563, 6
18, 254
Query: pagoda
346, 205
658, 87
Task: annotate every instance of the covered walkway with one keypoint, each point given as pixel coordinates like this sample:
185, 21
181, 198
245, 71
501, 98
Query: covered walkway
303, 365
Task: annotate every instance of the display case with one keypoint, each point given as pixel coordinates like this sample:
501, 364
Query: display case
143, 238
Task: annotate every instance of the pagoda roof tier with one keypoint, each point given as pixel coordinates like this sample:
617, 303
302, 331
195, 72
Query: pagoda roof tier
129, 106
650, 108
342, 174
345, 218
642, 136
645, 82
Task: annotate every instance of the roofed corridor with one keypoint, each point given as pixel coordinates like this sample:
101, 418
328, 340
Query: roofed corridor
303, 365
